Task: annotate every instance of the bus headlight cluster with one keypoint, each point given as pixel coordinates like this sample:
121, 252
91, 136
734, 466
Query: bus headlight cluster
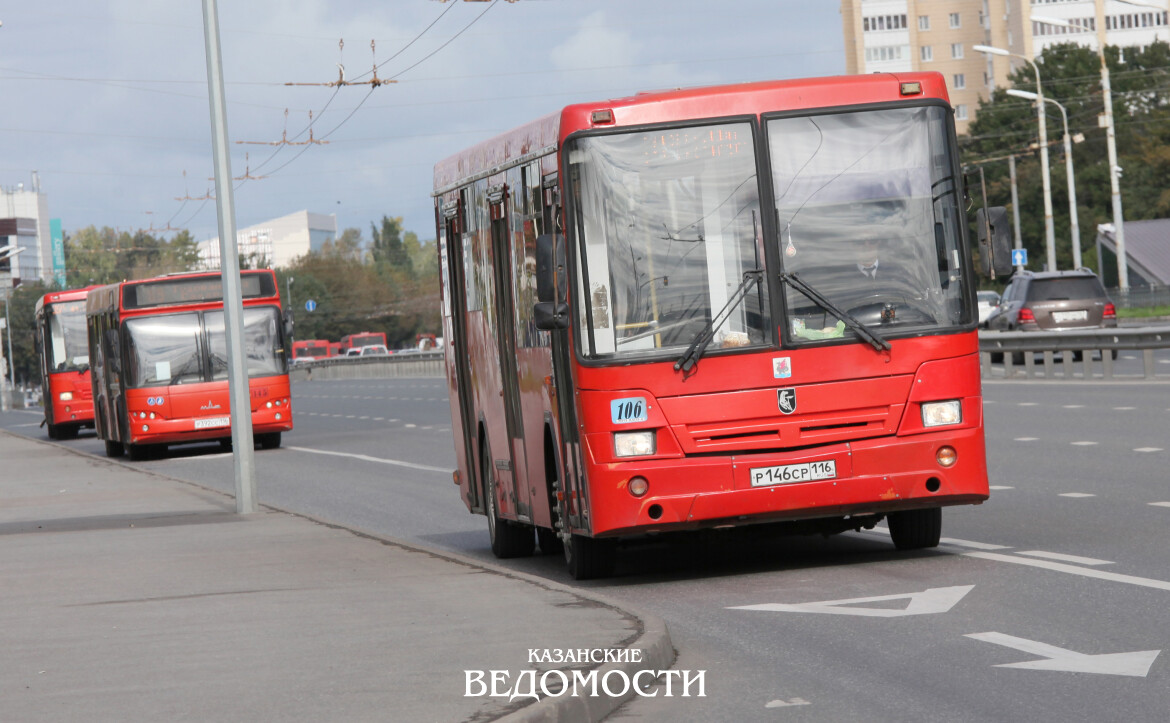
144, 415
941, 414
634, 444
66, 396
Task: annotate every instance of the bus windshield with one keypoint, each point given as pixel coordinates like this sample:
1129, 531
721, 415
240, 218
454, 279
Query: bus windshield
668, 229
68, 343
167, 350
868, 210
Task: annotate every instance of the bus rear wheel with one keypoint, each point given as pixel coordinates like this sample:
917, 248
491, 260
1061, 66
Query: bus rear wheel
269, 440
509, 539
916, 529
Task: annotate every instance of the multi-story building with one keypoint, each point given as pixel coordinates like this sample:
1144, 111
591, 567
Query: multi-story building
24, 222
277, 242
906, 35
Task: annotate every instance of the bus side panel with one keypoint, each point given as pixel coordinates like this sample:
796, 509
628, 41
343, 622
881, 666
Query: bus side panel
535, 365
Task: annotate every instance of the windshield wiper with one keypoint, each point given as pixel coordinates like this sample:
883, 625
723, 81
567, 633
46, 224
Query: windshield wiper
862, 330
699, 344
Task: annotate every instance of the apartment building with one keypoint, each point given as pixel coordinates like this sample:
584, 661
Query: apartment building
918, 35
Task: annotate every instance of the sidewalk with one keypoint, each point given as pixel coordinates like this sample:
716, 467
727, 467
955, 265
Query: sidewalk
127, 596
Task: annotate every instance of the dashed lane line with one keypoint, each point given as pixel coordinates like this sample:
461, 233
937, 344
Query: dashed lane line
1073, 570
368, 458
1060, 557
1076, 494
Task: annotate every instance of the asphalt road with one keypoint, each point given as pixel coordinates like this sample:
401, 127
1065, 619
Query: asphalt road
1049, 602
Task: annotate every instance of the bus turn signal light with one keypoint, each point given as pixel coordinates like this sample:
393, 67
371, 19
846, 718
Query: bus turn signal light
946, 456
638, 487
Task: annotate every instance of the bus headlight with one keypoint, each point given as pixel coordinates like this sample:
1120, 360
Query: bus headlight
634, 444
66, 396
941, 414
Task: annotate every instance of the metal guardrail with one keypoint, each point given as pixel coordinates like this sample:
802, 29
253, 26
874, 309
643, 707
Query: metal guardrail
1140, 296
426, 364
1082, 352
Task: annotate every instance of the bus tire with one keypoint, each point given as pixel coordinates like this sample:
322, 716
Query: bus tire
137, 452
509, 539
916, 529
269, 440
113, 449
549, 541
52, 431
589, 558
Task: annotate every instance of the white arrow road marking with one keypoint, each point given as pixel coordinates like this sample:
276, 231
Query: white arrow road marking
1136, 664
934, 600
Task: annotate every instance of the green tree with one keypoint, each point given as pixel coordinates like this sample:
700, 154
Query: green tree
388, 249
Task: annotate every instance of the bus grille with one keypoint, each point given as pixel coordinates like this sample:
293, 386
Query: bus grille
760, 435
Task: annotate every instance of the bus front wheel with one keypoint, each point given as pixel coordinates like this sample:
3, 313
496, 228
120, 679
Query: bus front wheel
589, 557
509, 539
113, 449
916, 529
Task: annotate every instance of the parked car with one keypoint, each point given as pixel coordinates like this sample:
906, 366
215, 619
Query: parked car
988, 300
375, 350
1050, 300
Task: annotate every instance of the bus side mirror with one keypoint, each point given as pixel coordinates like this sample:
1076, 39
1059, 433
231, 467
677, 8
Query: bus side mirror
995, 253
550, 268
288, 324
550, 315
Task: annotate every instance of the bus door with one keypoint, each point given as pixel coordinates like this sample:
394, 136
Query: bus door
566, 410
507, 474
457, 301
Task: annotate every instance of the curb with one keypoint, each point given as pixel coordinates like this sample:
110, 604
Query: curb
651, 636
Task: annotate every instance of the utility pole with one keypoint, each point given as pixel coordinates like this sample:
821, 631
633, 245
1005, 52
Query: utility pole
1106, 120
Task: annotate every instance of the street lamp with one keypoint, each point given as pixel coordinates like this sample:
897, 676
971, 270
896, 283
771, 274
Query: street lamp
7, 252
1068, 164
1049, 232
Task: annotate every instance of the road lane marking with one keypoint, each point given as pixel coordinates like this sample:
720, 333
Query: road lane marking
971, 544
1076, 494
1160, 504
1000, 487
1074, 406
367, 458
1124, 409
1148, 449
1064, 558
1083, 571
1026, 439
1084, 444
1028, 404
1136, 664
928, 602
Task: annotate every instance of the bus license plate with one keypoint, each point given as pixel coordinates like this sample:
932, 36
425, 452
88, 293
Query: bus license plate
790, 473
212, 422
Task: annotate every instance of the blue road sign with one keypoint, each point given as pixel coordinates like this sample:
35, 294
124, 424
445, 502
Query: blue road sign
1019, 257
310, 305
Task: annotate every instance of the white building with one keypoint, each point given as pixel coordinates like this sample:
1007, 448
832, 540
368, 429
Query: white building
277, 242
24, 222
889, 36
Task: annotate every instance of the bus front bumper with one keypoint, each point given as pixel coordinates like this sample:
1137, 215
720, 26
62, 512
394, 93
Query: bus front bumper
873, 477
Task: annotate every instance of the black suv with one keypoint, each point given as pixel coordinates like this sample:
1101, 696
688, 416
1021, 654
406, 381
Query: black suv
1050, 300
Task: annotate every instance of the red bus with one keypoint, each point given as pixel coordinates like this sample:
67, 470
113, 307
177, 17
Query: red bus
159, 367
365, 338
310, 349
64, 353
656, 317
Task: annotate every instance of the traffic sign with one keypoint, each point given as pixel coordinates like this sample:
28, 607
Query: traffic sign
1019, 257
310, 305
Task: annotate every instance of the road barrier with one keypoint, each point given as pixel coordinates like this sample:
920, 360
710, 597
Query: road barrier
1085, 355
426, 364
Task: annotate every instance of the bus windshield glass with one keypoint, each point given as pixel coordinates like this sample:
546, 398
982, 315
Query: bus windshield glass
68, 343
868, 211
668, 228
169, 349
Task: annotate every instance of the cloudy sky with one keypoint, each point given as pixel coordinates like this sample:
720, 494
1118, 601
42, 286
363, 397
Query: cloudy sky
107, 101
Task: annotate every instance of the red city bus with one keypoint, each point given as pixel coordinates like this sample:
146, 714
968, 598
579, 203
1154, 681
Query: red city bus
159, 366
365, 338
310, 349
64, 353
714, 307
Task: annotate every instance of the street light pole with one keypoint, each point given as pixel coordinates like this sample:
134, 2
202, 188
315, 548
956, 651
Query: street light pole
1075, 228
1045, 175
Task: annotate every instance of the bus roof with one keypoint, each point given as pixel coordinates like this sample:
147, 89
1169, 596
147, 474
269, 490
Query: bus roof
56, 297
543, 136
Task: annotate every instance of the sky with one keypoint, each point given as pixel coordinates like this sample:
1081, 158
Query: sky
107, 101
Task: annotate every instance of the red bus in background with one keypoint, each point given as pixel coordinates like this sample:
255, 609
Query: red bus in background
365, 338
64, 354
310, 349
159, 364
335, 348
656, 318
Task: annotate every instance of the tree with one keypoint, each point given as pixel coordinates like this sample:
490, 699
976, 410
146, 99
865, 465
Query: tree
1070, 74
388, 249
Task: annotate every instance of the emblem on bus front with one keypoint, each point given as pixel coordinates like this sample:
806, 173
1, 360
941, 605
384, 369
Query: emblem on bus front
786, 399
209, 406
